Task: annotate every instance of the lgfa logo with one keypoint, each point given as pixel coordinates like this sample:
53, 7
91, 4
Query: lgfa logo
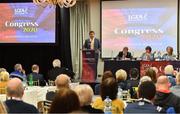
20, 11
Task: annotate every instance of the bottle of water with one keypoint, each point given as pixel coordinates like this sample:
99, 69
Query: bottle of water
30, 80
107, 105
119, 94
128, 95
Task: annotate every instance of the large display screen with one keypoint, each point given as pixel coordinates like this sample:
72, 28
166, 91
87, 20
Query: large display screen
137, 24
27, 23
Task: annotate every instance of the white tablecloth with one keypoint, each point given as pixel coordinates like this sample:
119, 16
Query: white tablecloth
34, 94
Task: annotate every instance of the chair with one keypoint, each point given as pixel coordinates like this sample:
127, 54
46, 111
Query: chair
51, 83
40, 106
35, 83
46, 106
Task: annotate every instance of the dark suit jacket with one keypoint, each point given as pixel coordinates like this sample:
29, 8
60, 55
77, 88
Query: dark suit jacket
15, 106
97, 46
120, 55
53, 73
135, 108
87, 44
89, 109
37, 77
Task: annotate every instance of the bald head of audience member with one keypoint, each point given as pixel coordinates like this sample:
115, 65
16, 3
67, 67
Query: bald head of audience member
62, 81
15, 88
163, 83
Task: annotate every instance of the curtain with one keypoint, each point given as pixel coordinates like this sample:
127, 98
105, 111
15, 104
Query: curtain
79, 28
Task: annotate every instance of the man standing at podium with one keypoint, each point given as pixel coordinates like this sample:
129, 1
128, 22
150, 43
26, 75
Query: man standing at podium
93, 43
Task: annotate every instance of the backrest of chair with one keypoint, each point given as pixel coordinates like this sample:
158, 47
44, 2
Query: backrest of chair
47, 105
51, 83
44, 106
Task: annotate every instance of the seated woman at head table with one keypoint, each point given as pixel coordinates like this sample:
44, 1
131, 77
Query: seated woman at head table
148, 55
169, 56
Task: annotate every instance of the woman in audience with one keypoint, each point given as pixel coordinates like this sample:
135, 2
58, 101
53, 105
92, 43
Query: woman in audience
85, 94
144, 79
106, 75
121, 77
169, 72
152, 74
4, 77
109, 87
134, 75
2, 69
65, 101
133, 82
176, 89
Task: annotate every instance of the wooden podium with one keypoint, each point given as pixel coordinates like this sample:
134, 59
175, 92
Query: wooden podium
89, 66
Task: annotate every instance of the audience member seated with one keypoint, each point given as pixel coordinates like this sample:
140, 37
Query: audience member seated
134, 77
85, 94
106, 74
121, 77
109, 87
152, 74
133, 82
169, 56
124, 54
4, 78
2, 69
57, 70
144, 79
146, 93
65, 101
164, 98
36, 76
169, 72
15, 91
147, 56
62, 81
18, 73
176, 89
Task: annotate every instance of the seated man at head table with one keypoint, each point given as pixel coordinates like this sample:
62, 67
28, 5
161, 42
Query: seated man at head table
124, 54
169, 56
148, 56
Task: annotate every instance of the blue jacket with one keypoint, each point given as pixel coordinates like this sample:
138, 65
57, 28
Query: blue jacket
17, 74
172, 79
